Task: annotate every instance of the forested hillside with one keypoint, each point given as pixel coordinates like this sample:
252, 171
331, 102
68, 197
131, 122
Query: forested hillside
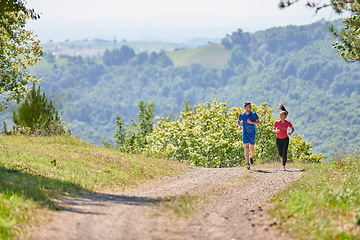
293, 65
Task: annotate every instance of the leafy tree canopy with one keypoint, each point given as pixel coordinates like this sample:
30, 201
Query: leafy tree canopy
118, 56
349, 36
7, 6
18, 50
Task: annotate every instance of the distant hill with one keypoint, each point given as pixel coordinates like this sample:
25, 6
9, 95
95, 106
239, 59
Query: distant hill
293, 65
97, 47
211, 55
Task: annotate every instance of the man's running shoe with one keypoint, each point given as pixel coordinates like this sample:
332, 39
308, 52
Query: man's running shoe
283, 168
248, 166
251, 161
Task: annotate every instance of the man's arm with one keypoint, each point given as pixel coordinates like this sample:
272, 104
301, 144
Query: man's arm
239, 124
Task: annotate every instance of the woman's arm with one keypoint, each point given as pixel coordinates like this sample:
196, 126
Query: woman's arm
275, 130
292, 130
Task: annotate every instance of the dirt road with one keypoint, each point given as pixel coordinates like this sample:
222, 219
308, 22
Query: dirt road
236, 211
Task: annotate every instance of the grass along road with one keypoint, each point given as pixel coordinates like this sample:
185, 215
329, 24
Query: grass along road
36, 172
87, 183
324, 203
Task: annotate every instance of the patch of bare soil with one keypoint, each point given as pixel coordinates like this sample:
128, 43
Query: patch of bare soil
239, 212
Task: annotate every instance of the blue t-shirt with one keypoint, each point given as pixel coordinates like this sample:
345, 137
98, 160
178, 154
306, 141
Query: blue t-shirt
248, 129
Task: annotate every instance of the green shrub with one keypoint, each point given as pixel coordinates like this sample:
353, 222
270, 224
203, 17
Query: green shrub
131, 138
300, 151
37, 116
206, 135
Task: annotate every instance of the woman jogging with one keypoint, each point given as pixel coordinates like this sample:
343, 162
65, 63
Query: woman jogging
249, 121
282, 135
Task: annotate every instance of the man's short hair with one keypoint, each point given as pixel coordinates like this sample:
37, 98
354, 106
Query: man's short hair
247, 103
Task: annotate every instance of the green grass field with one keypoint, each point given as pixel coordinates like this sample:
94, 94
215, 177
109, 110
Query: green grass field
324, 203
36, 171
213, 55
44, 67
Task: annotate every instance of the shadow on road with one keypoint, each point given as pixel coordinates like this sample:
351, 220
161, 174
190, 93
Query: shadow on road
273, 170
41, 189
103, 199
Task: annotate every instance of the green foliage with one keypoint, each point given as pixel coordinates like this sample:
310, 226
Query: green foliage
39, 116
18, 51
204, 135
300, 151
324, 203
348, 48
8, 6
118, 56
317, 87
127, 56
132, 138
242, 40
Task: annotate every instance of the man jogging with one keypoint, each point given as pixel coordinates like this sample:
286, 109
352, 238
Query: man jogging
249, 121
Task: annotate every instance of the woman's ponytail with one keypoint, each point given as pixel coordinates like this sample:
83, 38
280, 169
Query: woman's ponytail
283, 109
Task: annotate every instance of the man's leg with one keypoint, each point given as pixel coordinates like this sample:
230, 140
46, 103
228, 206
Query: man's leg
252, 153
246, 152
252, 150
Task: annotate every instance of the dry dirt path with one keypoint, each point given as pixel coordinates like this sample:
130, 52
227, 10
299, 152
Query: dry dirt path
239, 212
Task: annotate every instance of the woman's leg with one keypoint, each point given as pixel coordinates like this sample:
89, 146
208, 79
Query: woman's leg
279, 145
284, 150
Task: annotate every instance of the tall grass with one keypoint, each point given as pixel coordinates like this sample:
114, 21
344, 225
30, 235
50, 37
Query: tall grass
35, 171
324, 203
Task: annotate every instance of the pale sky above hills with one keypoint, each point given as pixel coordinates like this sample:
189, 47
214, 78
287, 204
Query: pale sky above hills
164, 20
137, 9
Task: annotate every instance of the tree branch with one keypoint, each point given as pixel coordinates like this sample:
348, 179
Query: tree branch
338, 5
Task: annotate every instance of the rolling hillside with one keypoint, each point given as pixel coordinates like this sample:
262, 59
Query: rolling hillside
293, 65
212, 55
97, 47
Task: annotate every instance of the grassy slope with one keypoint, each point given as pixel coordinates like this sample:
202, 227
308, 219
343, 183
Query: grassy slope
214, 55
34, 172
324, 203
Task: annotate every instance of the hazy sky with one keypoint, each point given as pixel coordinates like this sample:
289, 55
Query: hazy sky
182, 19
137, 9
